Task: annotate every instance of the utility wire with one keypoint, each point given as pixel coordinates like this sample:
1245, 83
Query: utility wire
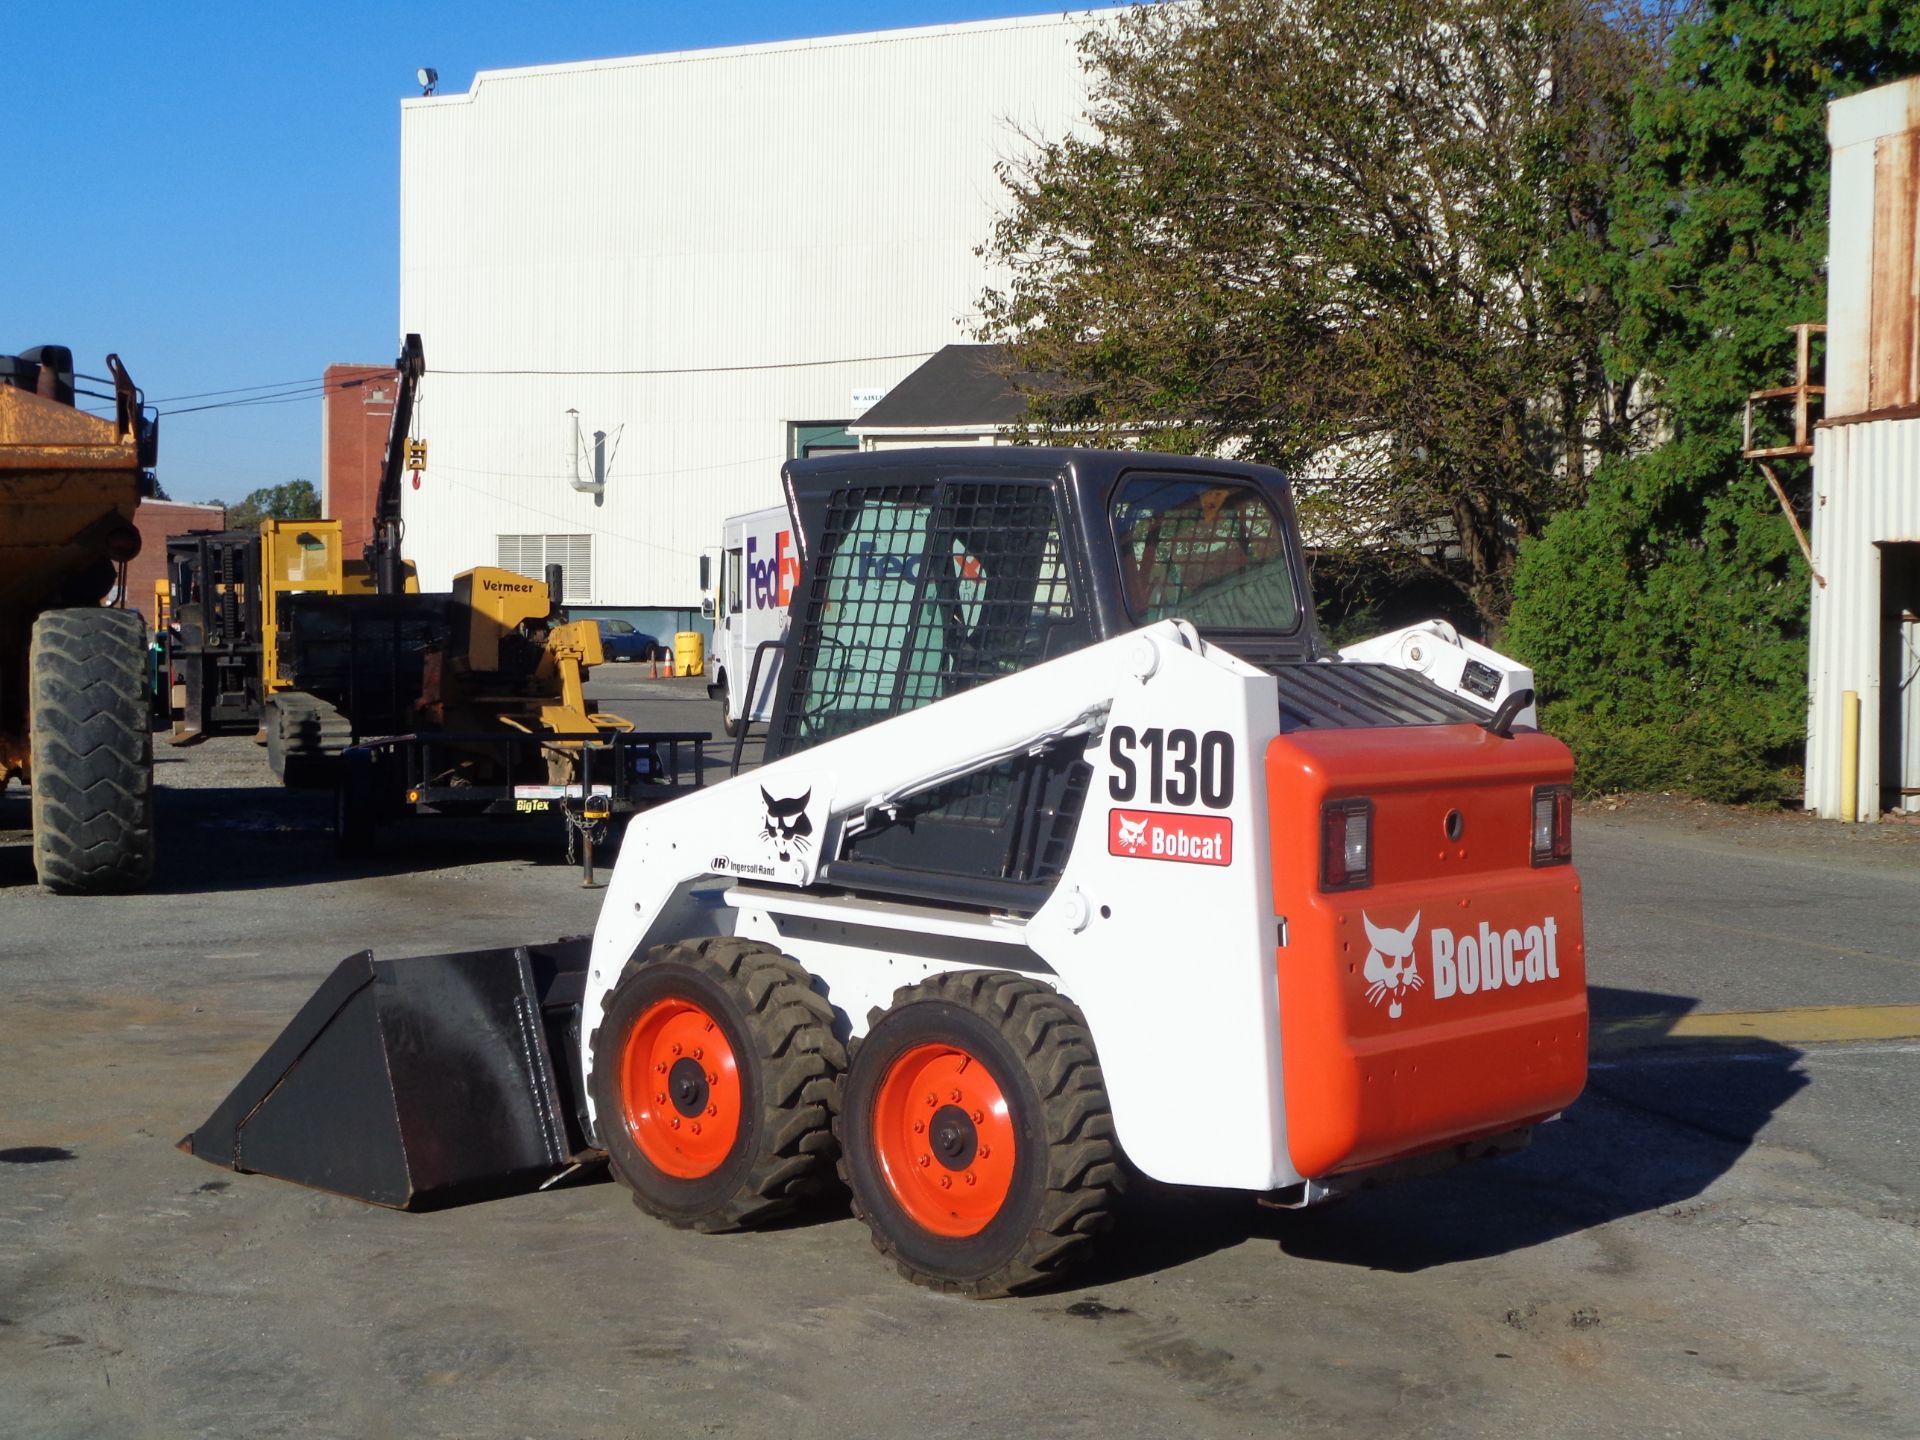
238, 389
308, 391
285, 390
701, 369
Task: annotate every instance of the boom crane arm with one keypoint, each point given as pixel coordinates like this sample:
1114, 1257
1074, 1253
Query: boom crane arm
383, 551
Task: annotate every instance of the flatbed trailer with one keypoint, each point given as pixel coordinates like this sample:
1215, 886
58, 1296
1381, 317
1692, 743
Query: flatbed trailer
388, 778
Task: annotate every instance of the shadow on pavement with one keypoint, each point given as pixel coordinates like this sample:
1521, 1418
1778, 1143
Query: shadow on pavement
1658, 1124
264, 837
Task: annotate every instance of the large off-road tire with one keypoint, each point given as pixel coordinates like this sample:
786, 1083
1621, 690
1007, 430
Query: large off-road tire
976, 1136
92, 761
712, 1069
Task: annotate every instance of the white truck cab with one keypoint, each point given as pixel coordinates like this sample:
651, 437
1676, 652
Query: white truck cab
759, 563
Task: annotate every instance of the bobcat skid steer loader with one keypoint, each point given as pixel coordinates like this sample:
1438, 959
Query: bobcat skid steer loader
1076, 847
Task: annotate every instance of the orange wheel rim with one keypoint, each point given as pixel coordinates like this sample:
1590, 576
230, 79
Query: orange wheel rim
944, 1139
680, 1089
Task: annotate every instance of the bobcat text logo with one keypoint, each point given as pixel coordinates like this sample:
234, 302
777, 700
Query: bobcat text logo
1460, 964
1391, 981
1493, 958
787, 825
1170, 835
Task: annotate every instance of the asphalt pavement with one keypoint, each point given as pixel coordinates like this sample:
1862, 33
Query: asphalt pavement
1722, 1238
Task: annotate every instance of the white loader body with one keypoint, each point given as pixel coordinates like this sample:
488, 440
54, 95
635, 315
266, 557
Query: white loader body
1143, 943
1115, 931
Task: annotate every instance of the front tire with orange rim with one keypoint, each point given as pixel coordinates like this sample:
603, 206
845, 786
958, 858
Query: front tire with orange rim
712, 1067
976, 1136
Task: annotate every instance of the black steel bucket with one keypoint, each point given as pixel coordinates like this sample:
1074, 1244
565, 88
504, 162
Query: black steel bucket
418, 1083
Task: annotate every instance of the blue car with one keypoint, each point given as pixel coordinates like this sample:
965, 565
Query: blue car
620, 641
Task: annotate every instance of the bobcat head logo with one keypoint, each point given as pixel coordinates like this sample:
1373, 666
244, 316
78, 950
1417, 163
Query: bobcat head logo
1133, 833
787, 825
1391, 969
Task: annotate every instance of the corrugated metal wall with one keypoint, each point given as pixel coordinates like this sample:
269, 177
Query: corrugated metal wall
1866, 496
745, 226
1866, 460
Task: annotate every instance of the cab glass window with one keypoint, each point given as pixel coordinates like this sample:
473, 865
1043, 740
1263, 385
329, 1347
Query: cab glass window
1199, 550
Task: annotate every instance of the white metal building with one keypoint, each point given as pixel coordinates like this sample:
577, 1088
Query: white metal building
1866, 464
716, 258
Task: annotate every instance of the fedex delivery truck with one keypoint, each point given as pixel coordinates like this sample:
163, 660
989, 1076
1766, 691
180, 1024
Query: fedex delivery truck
759, 564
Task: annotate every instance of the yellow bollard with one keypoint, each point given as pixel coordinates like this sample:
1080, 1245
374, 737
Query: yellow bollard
1849, 756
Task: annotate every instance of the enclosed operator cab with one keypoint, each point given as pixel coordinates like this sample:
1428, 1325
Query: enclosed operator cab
1418, 858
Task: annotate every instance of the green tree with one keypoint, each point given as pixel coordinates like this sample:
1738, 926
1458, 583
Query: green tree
1666, 619
295, 500
1365, 240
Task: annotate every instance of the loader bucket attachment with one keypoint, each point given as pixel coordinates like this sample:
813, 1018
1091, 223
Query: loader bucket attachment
417, 1083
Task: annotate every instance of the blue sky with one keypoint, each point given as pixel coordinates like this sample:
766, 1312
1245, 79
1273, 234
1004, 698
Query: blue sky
211, 190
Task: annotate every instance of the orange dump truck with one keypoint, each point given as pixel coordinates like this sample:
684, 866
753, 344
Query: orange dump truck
74, 717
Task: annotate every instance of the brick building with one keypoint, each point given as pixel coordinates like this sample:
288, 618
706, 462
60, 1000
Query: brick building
356, 415
156, 520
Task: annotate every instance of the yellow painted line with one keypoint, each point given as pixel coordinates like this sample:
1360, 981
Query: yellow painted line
1810, 1025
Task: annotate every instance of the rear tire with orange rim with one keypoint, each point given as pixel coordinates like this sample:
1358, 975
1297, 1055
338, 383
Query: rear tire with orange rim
712, 1069
976, 1136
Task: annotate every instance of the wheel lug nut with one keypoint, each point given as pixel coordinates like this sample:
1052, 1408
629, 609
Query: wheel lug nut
660, 1097
713, 1077
925, 1160
919, 1127
676, 1122
977, 1117
659, 1067
698, 1052
676, 1047
695, 1127
984, 1152
956, 1097
946, 1182
972, 1179
932, 1099
713, 1110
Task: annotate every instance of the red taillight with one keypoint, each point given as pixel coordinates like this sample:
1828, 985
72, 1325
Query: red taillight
1346, 844
1552, 824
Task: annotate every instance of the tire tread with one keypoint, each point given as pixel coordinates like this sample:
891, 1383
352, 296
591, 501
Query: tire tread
92, 769
1083, 1173
792, 1030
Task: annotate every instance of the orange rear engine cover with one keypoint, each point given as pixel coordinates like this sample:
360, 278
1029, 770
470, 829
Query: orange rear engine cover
1447, 1000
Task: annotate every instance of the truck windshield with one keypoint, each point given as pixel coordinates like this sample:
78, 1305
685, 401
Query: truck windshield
1199, 550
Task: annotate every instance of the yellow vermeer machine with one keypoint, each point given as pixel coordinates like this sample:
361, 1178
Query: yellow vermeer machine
468, 702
